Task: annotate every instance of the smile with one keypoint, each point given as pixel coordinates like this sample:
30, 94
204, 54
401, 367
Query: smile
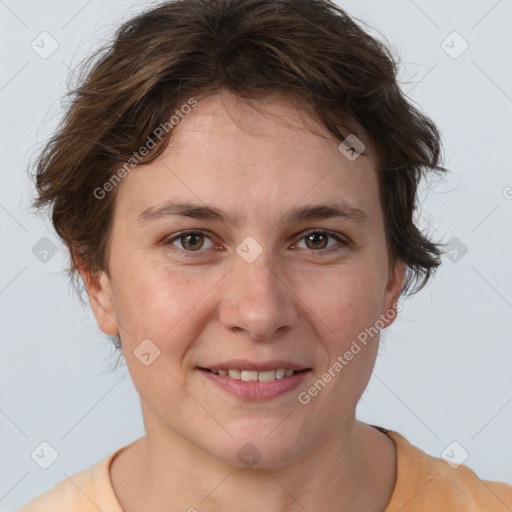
254, 385
255, 376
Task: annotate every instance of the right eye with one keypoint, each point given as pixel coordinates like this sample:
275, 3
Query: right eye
189, 241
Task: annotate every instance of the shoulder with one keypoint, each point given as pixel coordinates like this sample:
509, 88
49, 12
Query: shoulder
85, 491
426, 483
68, 493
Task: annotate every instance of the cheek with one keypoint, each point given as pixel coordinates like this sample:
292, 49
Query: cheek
166, 307
345, 305
344, 301
344, 310
164, 304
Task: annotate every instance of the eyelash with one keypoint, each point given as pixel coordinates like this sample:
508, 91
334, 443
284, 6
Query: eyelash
183, 234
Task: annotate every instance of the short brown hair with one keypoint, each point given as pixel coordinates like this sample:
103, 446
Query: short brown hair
309, 49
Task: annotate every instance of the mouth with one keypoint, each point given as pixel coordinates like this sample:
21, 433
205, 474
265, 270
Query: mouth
255, 382
254, 375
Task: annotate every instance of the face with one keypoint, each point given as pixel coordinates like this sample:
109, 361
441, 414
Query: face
254, 286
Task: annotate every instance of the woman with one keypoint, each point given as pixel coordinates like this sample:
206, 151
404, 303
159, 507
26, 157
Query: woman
235, 181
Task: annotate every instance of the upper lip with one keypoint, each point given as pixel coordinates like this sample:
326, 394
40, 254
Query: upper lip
262, 366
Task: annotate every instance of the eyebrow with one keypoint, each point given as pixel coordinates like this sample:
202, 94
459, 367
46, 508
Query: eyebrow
304, 213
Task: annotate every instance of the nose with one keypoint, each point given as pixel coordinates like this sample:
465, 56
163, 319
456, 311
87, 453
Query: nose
257, 301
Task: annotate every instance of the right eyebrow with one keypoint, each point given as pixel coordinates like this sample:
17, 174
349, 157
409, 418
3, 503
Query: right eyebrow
185, 209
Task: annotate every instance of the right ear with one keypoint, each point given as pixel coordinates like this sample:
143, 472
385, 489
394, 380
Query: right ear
99, 290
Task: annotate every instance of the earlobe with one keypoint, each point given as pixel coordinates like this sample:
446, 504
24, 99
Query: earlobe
99, 290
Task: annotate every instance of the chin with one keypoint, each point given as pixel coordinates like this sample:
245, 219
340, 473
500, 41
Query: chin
259, 446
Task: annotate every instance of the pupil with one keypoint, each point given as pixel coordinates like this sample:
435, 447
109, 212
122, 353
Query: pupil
193, 237
314, 238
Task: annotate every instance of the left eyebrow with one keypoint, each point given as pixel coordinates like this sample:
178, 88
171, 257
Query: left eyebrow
327, 211
296, 214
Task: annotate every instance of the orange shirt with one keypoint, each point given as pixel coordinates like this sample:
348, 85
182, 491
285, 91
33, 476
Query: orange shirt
424, 484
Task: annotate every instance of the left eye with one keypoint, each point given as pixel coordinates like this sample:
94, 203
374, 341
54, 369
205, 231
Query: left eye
191, 241
317, 240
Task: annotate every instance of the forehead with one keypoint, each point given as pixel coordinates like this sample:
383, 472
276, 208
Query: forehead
270, 152
274, 119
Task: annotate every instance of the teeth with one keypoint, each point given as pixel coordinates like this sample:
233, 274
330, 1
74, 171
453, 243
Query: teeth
248, 376
267, 376
254, 376
234, 374
280, 374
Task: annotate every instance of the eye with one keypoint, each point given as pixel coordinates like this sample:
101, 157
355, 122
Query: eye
190, 241
317, 240
194, 241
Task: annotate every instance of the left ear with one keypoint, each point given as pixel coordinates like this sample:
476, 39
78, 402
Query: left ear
99, 290
392, 293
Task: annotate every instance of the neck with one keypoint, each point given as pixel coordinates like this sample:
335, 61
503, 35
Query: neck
354, 469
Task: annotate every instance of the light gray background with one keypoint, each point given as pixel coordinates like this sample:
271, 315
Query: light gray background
443, 373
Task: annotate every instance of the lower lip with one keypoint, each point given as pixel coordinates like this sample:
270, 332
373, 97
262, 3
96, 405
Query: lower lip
256, 390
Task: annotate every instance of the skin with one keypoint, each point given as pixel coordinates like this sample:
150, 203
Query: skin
295, 302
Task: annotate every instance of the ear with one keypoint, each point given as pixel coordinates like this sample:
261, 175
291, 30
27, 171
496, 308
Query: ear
392, 293
99, 290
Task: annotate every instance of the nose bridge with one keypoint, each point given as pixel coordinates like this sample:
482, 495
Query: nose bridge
253, 261
257, 300
256, 277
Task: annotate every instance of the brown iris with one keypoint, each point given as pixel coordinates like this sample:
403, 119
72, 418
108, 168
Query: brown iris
191, 242
314, 238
